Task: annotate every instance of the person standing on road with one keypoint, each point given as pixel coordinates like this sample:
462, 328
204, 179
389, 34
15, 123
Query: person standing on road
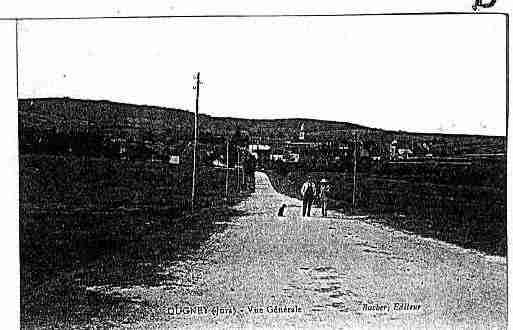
308, 193
324, 189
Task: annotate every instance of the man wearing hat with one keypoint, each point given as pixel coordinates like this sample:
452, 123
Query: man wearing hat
308, 193
324, 189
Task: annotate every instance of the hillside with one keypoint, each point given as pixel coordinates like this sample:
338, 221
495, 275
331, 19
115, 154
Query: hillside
60, 112
112, 118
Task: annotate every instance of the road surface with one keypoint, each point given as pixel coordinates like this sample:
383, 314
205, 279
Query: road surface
337, 272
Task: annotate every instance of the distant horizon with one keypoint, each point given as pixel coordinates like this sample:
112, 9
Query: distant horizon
433, 74
257, 119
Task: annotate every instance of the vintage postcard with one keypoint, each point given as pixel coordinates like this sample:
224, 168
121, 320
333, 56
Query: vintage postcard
295, 171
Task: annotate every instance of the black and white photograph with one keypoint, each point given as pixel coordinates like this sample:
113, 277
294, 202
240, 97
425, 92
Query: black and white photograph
263, 171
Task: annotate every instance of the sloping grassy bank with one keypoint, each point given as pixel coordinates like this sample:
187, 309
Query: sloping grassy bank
74, 212
136, 253
470, 216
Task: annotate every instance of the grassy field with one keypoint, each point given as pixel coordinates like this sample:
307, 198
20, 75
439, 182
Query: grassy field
70, 183
471, 215
74, 211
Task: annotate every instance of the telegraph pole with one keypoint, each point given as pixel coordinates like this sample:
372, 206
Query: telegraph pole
193, 193
227, 166
238, 169
354, 171
243, 174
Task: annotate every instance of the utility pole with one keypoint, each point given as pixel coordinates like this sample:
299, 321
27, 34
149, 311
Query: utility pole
227, 166
238, 169
243, 174
193, 193
354, 171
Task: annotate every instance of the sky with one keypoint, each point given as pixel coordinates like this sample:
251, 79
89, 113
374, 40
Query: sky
435, 73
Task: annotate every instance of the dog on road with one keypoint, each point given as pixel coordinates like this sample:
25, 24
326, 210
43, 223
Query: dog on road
281, 211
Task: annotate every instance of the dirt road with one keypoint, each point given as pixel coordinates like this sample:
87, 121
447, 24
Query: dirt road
337, 272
